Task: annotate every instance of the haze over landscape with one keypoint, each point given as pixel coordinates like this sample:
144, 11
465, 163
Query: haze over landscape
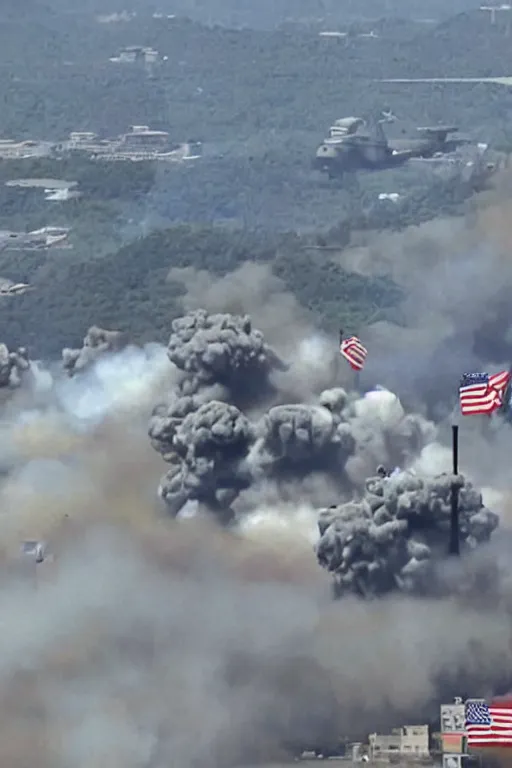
232, 573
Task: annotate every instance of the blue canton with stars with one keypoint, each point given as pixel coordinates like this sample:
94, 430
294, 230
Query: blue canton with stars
477, 714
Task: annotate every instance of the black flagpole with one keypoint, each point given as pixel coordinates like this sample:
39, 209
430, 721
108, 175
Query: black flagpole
454, 517
338, 357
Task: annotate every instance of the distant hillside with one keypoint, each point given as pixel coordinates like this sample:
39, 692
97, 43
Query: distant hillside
465, 45
260, 102
221, 85
269, 13
128, 290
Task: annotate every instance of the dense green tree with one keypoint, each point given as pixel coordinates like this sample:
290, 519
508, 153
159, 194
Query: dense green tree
129, 289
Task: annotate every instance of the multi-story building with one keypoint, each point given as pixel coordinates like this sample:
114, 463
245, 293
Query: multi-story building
453, 730
453, 733
410, 741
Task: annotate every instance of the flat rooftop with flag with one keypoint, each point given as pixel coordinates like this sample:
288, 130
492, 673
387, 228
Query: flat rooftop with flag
480, 393
489, 726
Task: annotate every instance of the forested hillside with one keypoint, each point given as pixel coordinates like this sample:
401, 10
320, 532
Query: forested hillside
129, 289
268, 13
260, 101
222, 84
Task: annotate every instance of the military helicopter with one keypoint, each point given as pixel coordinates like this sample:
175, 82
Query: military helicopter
355, 144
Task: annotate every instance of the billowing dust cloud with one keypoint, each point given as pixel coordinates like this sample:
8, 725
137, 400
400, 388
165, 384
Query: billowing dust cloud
151, 635
229, 452
456, 317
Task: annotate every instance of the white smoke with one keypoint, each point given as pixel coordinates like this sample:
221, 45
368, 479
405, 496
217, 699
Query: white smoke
433, 459
283, 524
115, 383
144, 631
380, 405
313, 361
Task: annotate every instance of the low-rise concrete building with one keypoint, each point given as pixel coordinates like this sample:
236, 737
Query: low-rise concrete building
408, 741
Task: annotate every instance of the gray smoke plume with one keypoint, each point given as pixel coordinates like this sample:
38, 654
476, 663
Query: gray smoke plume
220, 349
206, 465
216, 451
97, 342
13, 366
252, 289
150, 641
391, 538
456, 316
380, 534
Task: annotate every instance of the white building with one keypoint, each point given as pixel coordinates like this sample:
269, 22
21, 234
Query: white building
453, 733
136, 53
408, 741
84, 141
16, 150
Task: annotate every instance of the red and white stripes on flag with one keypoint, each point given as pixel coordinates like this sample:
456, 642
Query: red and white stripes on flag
480, 393
354, 352
489, 725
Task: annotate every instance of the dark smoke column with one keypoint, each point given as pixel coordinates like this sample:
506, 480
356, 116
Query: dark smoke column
391, 539
13, 365
215, 452
97, 342
200, 431
221, 349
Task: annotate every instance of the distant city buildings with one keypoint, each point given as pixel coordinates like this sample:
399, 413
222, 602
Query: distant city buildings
414, 743
133, 54
53, 189
337, 35
10, 149
37, 239
140, 143
124, 16
112, 18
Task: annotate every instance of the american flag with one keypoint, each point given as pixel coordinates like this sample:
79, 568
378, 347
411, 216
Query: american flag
353, 351
489, 726
480, 393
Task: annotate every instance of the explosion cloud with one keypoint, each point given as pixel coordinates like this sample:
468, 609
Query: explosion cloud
387, 540
389, 536
143, 640
209, 444
219, 349
216, 451
455, 274
13, 365
96, 343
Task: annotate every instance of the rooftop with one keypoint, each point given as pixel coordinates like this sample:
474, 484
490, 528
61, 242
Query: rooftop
41, 183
